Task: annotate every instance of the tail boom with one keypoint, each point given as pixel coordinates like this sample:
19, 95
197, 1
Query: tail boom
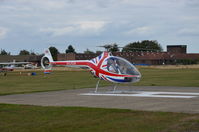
80, 62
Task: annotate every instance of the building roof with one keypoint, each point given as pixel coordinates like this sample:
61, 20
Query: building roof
157, 55
176, 45
18, 58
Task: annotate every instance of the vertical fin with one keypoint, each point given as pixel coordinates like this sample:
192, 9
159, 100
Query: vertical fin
48, 54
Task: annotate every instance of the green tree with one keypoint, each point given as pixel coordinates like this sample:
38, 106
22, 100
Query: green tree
3, 52
32, 52
88, 52
145, 45
114, 48
54, 51
111, 47
24, 52
98, 52
70, 49
107, 47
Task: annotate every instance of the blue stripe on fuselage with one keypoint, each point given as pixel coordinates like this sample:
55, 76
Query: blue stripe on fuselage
117, 80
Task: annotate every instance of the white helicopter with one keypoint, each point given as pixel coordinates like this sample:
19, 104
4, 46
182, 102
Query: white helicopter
105, 67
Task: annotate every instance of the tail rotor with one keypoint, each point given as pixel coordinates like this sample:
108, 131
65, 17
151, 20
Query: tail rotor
46, 61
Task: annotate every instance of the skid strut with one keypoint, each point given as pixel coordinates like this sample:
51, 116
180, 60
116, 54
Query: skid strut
115, 86
97, 85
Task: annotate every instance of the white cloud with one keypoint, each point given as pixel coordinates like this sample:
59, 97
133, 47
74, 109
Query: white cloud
58, 31
193, 3
38, 4
3, 32
91, 25
145, 30
50, 4
145, 3
98, 21
138, 2
189, 31
78, 28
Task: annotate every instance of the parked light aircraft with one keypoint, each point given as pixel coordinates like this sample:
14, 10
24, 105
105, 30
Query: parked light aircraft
105, 67
10, 66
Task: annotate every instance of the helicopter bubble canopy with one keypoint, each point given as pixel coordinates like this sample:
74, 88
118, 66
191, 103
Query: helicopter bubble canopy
120, 66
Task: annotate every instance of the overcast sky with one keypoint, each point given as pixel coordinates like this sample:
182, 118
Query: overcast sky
37, 24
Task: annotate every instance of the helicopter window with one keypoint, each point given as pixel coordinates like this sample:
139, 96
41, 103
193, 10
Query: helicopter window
121, 66
112, 65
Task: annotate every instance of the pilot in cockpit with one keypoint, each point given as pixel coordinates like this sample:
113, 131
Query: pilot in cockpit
112, 65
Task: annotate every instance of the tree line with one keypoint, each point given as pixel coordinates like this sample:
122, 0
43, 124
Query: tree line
22, 52
145, 45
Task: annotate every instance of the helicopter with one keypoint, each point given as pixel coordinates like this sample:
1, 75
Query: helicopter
105, 67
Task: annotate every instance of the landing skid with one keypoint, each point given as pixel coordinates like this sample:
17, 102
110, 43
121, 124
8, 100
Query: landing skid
97, 85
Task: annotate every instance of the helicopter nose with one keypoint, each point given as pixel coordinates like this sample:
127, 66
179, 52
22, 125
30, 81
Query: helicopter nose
133, 79
138, 78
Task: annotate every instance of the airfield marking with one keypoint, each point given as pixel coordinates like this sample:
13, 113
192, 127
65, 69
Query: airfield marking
146, 94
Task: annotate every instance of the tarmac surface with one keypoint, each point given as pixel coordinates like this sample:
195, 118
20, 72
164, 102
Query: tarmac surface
149, 98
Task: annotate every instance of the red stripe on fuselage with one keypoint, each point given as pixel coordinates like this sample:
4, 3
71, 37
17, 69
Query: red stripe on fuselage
97, 68
69, 63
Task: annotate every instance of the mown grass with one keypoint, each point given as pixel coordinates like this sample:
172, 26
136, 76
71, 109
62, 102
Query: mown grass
60, 80
169, 77
25, 118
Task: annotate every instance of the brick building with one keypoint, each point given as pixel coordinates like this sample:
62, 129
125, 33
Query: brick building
21, 58
176, 54
177, 48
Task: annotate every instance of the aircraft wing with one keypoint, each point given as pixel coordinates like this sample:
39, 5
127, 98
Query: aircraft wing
13, 63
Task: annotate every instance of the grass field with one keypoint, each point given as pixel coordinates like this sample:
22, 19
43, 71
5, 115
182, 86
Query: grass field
169, 77
59, 80
24, 118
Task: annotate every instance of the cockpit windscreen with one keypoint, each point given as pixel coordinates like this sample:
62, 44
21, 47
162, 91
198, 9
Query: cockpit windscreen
121, 66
